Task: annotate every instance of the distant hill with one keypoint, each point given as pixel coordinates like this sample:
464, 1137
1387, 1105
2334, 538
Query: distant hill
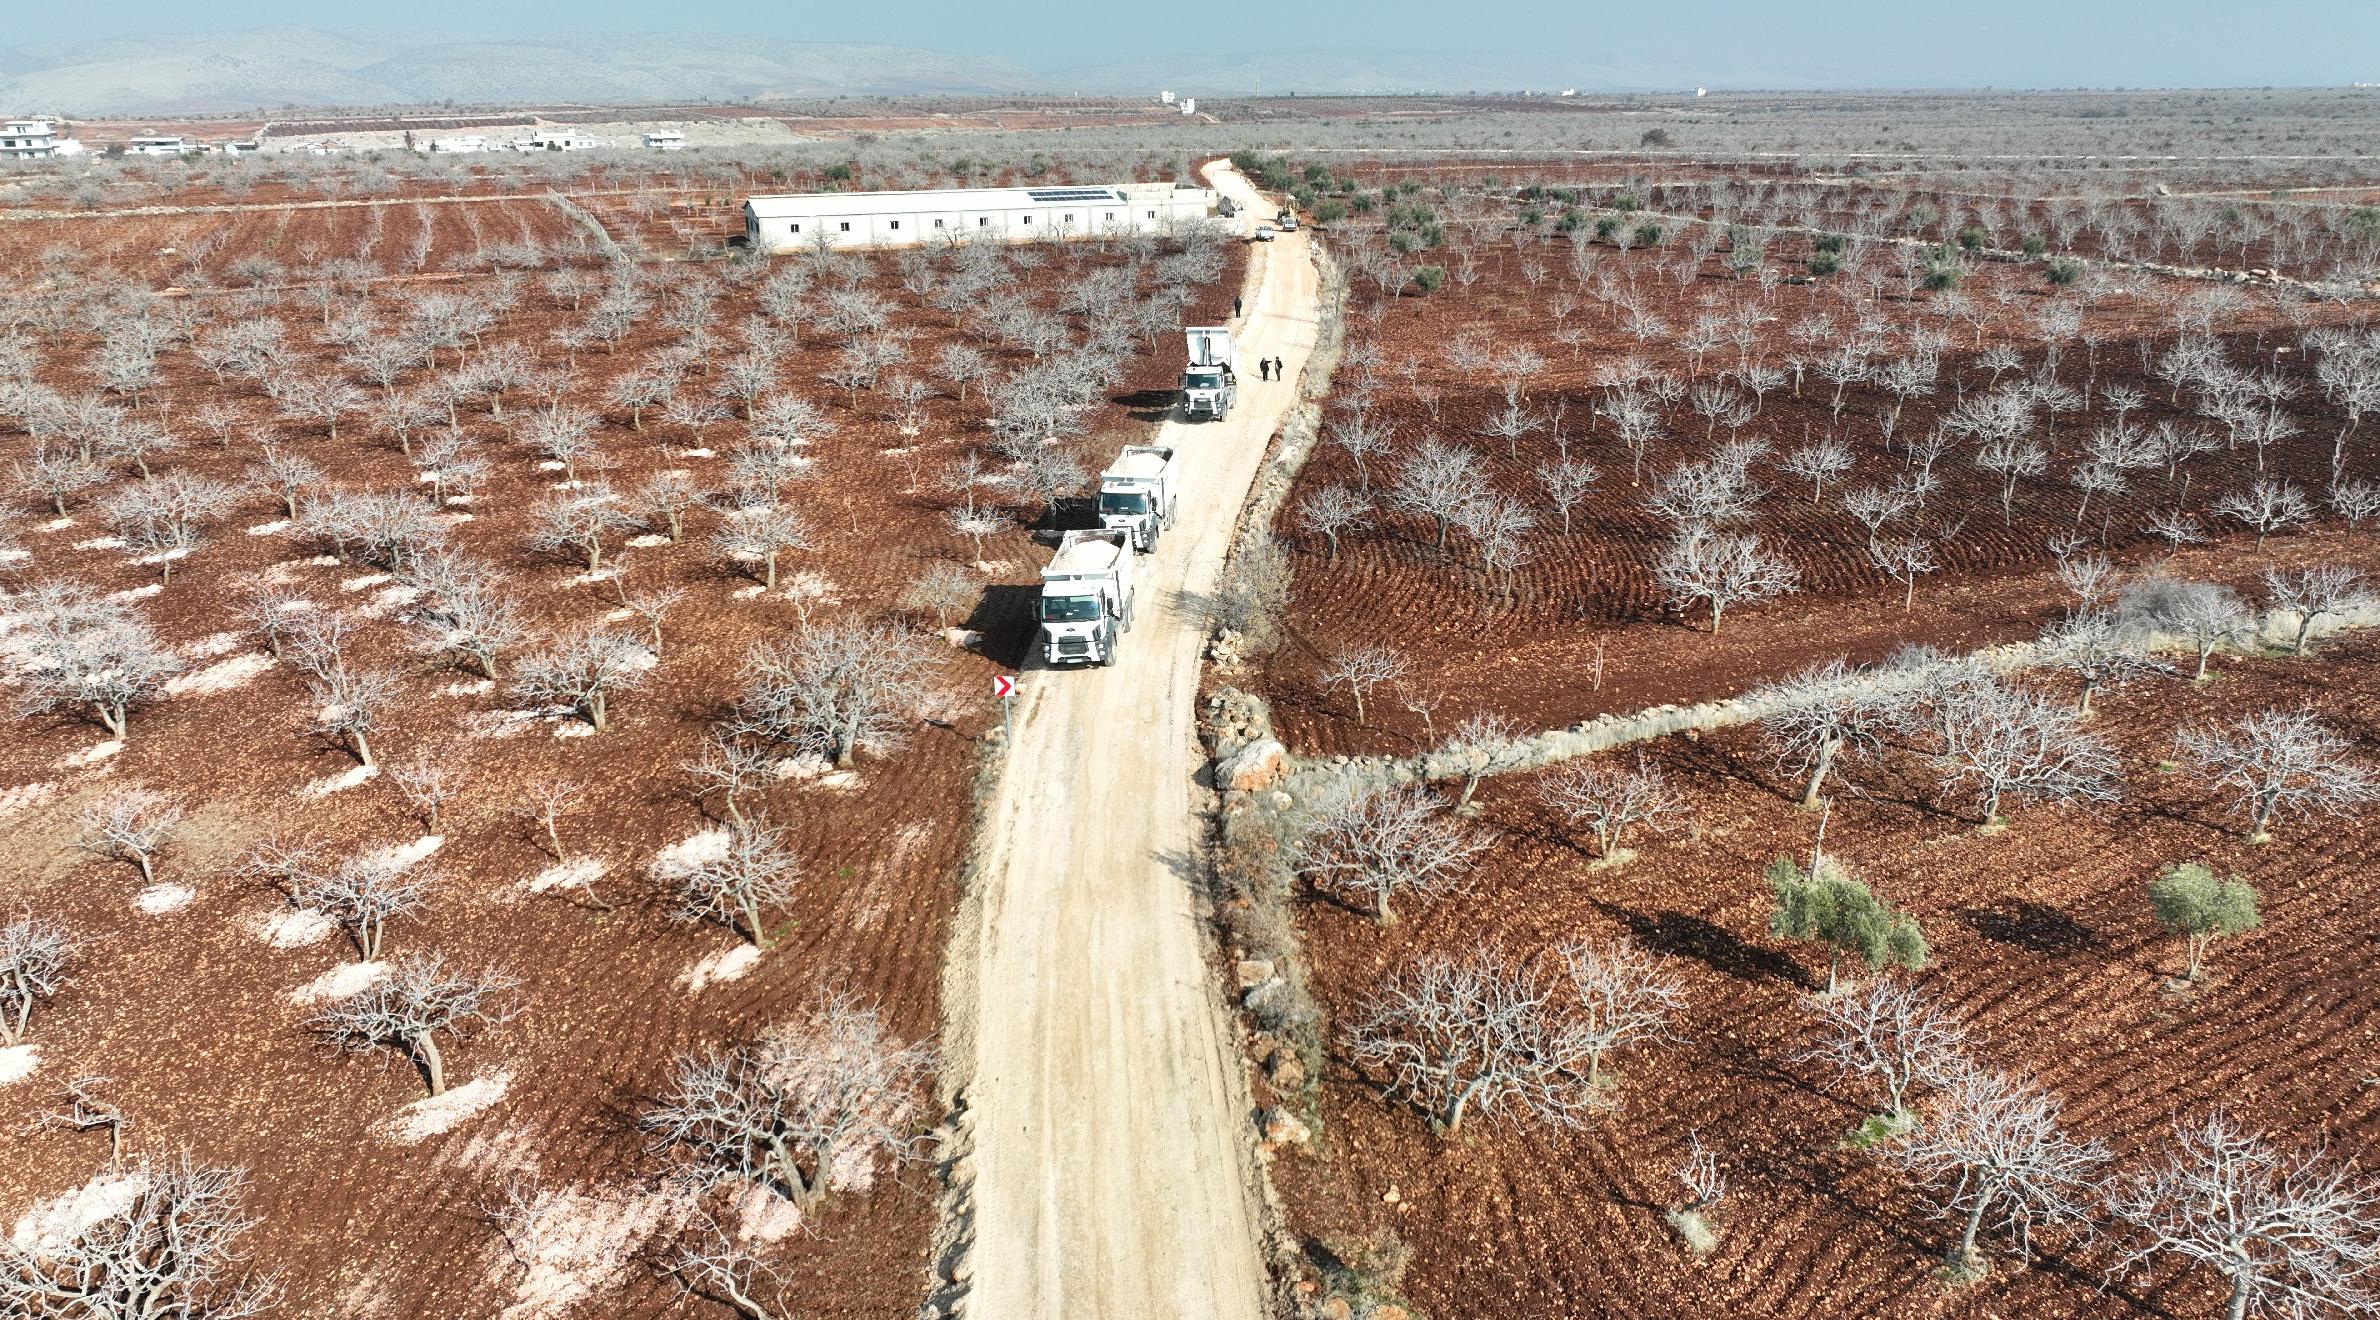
260, 69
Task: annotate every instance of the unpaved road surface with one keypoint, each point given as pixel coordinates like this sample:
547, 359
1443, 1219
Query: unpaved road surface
1107, 1112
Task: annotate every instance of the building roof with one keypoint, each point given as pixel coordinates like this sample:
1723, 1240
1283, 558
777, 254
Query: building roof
945, 199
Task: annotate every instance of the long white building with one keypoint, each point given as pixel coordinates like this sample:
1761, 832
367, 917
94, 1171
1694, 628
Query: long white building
791, 222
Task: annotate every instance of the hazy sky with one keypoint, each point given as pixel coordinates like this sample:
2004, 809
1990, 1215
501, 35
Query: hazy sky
2007, 43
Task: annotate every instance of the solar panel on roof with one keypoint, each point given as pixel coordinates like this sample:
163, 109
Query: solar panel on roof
1071, 194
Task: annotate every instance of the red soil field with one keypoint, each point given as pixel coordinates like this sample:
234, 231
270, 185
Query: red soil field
1531, 655
188, 1010
2042, 940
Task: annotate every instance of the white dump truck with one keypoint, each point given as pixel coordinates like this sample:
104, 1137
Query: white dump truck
1208, 386
1086, 597
1136, 493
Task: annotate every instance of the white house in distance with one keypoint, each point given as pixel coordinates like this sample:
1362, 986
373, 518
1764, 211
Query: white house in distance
160, 145
790, 222
32, 139
549, 140
665, 139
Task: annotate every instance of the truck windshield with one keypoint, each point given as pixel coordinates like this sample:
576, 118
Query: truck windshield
1069, 609
1202, 380
1123, 502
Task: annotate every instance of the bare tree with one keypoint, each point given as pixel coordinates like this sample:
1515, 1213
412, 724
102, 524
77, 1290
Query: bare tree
84, 1107
1566, 482
1818, 463
160, 518
1382, 843
2008, 741
1720, 571
35, 953
2313, 594
427, 782
1332, 512
670, 494
1437, 482
362, 894
2209, 615
1904, 561
409, 1009
834, 1090
1484, 744
2269, 506
169, 1249
1625, 997
943, 587
2292, 1233
2099, 652
583, 670
90, 655
732, 770
1886, 1031
1474, 1035
834, 688
709, 1262
130, 825
1704, 1185
1819, 714
576, 522
287, 476
753, 872
1609, 799
1363, 668
349, 705
758, 535
1993, 1152
2277, 761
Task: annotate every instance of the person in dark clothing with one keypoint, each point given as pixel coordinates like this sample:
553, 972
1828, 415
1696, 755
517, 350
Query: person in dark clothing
1280, 370
1235, 306
1264, 369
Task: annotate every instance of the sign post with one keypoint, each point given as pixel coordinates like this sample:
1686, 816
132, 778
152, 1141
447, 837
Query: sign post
1004, 687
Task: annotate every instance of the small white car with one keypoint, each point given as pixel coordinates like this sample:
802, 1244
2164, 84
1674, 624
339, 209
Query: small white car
1263, 234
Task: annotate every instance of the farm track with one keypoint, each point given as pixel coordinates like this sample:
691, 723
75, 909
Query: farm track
1105, 1166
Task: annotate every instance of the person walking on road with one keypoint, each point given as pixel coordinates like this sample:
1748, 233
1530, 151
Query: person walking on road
1280, 370
1264, 368
1235, 307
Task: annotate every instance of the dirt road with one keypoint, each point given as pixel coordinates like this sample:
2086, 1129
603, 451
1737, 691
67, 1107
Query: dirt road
1106, 1116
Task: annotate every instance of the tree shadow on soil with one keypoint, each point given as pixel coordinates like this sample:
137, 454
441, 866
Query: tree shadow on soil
2036, 927
1683, 935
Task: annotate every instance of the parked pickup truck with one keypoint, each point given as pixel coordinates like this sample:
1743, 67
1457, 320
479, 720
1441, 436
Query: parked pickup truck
1136, 494
1086, 598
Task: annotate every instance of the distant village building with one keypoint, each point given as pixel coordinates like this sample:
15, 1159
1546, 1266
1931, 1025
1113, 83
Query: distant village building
465, 145
28, 139
160, 145
667, 139
1189, 105
791, 222
1165, 98
552, 141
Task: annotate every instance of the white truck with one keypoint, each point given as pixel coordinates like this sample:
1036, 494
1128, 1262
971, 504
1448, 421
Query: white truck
1136, 494
1208, 386
1086, 597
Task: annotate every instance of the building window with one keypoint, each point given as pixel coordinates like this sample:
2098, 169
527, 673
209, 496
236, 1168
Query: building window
846, 226
1152, 215
982, 221
1111, 215
896, 224
1069, 217
793, 229
937, 224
